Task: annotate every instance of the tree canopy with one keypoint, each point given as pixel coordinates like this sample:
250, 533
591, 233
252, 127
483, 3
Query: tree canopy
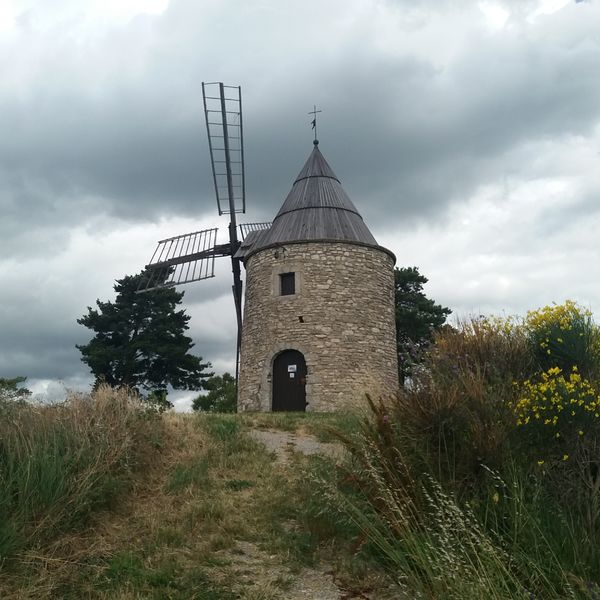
221, 397
417, 317
139, 341
10, 388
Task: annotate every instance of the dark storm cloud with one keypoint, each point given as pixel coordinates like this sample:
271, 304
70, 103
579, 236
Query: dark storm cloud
122, 158
103, 132
452, 130
409, 139
39, 337
121, 130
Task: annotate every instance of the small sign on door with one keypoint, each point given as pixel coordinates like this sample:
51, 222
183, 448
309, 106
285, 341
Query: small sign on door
292, 368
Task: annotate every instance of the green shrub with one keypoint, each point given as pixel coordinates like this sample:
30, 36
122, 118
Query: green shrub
10, 390
221, 396
564, 336
446, 485
557, 418
455, 416
556, 413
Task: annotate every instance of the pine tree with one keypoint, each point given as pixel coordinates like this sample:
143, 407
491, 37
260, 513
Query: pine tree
417, 317
140, 343
221, 397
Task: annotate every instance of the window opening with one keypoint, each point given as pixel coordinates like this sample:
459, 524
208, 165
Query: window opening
287, 284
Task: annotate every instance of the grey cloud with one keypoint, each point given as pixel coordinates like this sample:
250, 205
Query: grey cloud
106, 132
134, 140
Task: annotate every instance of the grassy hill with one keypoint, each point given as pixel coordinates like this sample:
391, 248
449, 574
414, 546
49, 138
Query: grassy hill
480, 480
192, 506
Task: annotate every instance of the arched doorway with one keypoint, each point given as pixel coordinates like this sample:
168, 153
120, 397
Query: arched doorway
289, 381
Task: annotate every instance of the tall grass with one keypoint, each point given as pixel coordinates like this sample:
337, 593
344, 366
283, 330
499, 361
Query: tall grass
484, 546
443, 487
60, 463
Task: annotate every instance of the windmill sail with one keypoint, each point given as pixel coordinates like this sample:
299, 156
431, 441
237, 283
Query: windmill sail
246, 228
184, 258
190, 257
223, 113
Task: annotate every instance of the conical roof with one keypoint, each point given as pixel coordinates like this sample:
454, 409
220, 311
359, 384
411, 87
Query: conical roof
317, 208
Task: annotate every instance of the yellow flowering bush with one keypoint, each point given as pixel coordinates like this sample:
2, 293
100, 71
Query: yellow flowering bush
557, 427
557, 403
564, 335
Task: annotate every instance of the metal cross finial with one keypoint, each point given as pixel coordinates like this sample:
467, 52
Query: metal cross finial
314, 112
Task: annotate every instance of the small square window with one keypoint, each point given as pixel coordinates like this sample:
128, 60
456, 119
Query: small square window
287, 284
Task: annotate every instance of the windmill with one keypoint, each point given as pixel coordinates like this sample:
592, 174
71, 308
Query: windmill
191, 256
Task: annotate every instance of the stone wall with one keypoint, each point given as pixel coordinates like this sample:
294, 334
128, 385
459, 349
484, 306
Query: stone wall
341, 318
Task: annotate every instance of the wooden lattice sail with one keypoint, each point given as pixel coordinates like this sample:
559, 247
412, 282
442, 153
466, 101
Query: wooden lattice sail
184, 258
191, 256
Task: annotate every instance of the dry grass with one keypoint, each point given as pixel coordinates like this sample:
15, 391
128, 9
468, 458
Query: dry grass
60, 463
121, 547
212, 516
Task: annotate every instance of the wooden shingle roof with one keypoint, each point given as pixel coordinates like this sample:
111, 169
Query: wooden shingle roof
316, 209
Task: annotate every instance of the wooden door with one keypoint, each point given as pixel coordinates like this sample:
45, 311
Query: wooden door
289, 382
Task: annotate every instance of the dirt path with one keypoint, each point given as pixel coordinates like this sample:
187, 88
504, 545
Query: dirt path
316, 583
284, 443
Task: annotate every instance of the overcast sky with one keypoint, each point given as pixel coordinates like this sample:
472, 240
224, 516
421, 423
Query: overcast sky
467, 133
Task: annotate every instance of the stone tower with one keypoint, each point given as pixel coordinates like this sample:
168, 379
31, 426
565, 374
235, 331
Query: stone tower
319, 329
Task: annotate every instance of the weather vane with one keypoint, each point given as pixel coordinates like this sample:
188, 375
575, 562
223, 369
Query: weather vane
314, 112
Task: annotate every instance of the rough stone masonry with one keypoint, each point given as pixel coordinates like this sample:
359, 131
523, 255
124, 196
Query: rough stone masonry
341, 318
